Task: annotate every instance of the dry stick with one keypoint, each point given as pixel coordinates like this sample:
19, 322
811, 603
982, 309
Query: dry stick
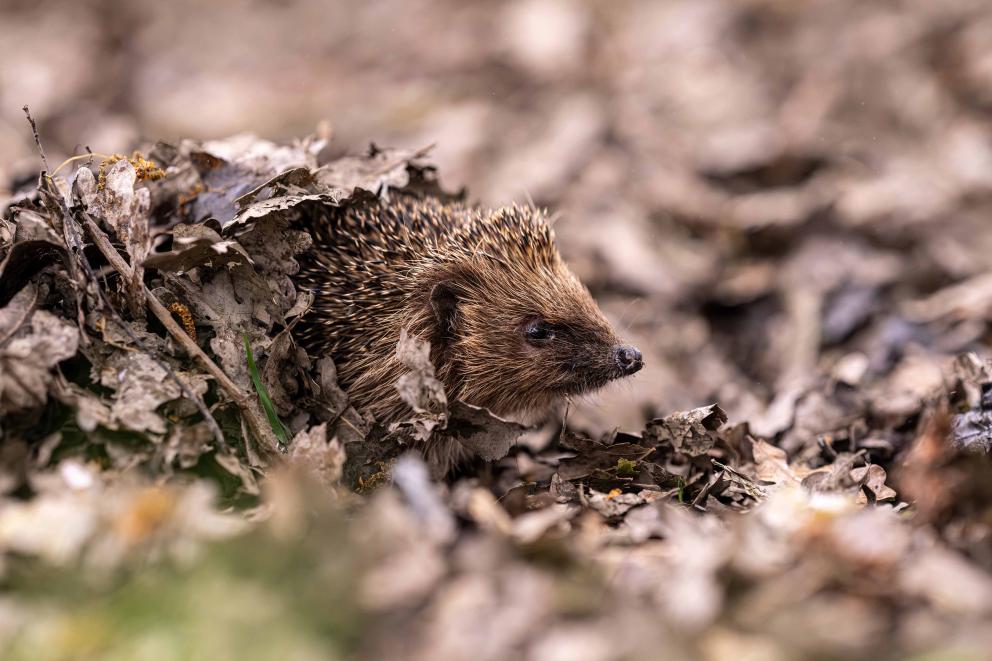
74, 242
259, 427
37, 138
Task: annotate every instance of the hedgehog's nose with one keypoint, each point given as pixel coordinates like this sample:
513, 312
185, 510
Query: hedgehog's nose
628, 359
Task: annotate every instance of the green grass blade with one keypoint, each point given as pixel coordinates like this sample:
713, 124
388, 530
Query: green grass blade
263, 395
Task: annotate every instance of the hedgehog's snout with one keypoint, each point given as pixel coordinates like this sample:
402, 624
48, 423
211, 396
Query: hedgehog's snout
628, 359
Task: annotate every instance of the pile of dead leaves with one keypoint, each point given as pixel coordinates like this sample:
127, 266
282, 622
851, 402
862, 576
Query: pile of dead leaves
167, 303
178, 476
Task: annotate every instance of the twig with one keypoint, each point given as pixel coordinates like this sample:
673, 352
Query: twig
258, 426
37, 138
75, 244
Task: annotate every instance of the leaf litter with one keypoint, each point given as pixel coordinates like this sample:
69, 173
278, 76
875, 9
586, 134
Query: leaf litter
803, 474
618, 529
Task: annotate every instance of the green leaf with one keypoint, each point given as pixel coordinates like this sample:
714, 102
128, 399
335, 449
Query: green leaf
263, 395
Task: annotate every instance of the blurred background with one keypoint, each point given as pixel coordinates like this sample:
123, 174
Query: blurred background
761, 193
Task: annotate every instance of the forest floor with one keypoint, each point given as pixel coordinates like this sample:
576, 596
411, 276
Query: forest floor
800, 246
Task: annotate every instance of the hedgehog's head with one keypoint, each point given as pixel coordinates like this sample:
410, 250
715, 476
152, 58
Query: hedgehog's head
516, 331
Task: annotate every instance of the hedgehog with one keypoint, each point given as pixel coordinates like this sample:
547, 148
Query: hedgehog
511, 329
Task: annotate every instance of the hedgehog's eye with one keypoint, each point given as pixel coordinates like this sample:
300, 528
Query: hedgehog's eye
539, 332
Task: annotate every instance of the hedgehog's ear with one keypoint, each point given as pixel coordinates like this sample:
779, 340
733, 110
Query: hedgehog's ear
444, 304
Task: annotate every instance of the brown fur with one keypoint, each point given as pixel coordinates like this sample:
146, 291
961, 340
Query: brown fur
467, 280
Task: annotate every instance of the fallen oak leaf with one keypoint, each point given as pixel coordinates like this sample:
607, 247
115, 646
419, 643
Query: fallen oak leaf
872, 477
772, 463
592, 456
486, 435
34, 246
17, 312
689, 432
197, 245
26, 361
314, 452
420, 388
